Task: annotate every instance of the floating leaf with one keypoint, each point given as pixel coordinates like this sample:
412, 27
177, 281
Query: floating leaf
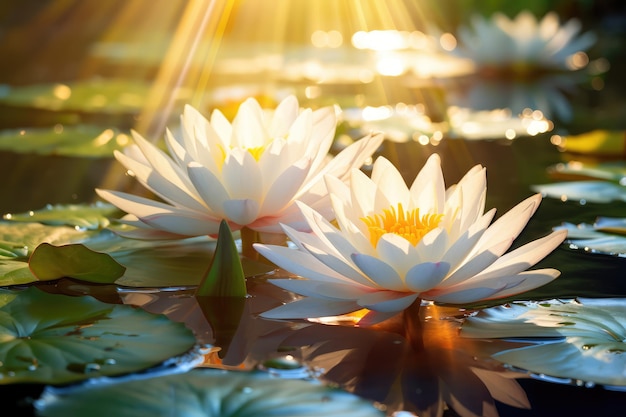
210, 393
82, 216
74, 261
56, 339
587, 191
18, 240
597, 238
112, 96
591, 344
225, 277
15, 272
79, 140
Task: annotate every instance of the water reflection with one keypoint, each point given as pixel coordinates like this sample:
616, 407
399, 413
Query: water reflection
408, 363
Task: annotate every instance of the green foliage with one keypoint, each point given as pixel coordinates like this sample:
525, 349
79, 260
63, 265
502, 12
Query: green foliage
50, 262
81, 216
210, 393
55, 339
225, 276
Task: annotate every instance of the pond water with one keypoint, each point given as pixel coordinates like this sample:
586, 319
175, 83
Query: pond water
417, 363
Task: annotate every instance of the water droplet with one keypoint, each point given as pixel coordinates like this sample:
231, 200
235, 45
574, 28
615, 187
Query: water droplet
246, 390
286, 367
83, 368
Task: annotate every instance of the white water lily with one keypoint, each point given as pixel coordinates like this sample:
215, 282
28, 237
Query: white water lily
249, 172
396, 244
522, 43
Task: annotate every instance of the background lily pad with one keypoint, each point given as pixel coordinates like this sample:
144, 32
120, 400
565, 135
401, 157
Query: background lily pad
93, 95
68, 140
55, 339
590, 344
210, 393
82, 216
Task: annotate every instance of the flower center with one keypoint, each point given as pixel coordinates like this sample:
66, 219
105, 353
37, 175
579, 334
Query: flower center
407, 224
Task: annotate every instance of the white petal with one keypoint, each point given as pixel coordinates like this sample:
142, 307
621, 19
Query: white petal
340, 266
379, 272
462, 295
352, 157
321, 289
284, 115
222, 127
241, 212
428, 189
510, 224
476, 264
433, 245
178, 194
458, 252
390, 182
525, 256
249, 126
398, 252
425, 276
298, 263
209, 187
241, 176
311, 307
284, 189
387, 301
528, 280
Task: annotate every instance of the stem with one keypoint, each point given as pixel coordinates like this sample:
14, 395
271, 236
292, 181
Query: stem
248, 237
413, 325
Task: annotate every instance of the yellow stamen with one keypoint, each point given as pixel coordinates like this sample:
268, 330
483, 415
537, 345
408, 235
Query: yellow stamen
256, 152
407, 224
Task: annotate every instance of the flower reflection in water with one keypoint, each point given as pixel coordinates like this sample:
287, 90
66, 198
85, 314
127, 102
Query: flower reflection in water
412, 363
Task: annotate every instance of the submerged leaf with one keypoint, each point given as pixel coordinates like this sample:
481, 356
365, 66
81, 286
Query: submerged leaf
55, 339
209, 393
74, 261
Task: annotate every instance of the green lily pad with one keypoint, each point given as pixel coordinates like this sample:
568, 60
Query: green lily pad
113, 96
50, 262
148, 263
79, 140
590, 344
56, 339
19, 240
81, 216
210, 393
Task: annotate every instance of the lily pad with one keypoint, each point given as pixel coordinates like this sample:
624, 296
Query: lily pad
579, 340
19, 240
50, 262
210, 393
79, 140
605, 236
113, 96
583, 191
56, 339
81, 216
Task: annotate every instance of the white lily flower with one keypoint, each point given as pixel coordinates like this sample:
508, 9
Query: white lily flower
249, 172
395, 245
522, 43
